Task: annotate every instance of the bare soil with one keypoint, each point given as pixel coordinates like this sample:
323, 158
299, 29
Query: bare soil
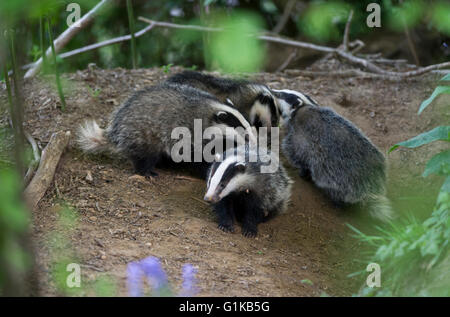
121, 217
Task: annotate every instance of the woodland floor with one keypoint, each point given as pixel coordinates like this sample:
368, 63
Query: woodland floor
307, 251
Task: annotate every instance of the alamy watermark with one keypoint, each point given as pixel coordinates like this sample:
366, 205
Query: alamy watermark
208, 142
374, 278
74, 277
73, 19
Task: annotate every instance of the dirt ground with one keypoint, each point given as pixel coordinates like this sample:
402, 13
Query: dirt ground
307, 251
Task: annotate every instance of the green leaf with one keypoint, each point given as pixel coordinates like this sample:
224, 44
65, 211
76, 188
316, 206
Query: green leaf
439, 90
446, 186
438, 133
438, 164
307, 281
446, 77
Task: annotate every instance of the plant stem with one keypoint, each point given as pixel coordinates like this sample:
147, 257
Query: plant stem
58, 82
133, 40
16, 106
41, 42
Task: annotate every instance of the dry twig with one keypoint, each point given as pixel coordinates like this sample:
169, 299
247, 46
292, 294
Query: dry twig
67, 35
347, 31
36, 158
47, 167
348, 56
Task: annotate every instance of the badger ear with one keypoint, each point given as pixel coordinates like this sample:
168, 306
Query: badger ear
240, 166
264, 99
229, 102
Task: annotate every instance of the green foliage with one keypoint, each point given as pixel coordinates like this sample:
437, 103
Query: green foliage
409, 252
322, 20
105, 286
132, 31
441, 17
407, 14
307, 282
440, 133
406, 252
94, 93
58, 81
438, 91
13, 226
438, 164
35, 53
236, 49
166, 68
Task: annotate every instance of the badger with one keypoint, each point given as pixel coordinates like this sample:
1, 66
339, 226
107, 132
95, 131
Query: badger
141, 128
255, 101
239, 190
334, 154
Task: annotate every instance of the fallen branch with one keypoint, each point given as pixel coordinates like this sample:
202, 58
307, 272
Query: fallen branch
66, 36
106, 43
47, 167
285, 17
35, 161
347, 31
186, 178
363, 63
98, 45
200, 201
342, 74
287, 61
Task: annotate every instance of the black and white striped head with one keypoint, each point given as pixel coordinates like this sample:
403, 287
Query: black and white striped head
264, 111
227, 177
228, 116
290, 101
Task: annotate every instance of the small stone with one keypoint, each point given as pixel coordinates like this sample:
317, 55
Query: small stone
140, 204
89, 177
372, 114
93, 218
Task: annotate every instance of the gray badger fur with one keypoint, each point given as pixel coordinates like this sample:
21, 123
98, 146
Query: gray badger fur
255, 101
334, 153
140, 129
239, 189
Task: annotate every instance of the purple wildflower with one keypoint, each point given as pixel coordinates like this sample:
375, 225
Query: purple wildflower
135, 276
151, 269
154, 273
189, 287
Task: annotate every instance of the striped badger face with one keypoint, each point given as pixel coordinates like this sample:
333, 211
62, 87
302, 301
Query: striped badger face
290, 101
265, 109
227, 177
228, 116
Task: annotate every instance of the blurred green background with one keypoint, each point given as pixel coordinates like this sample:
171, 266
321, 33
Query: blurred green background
315, 21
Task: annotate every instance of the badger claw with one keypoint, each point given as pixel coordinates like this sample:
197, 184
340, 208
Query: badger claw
249, 233
226, 228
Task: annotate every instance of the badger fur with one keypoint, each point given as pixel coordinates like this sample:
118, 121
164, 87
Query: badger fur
238, 190
334, 153
140, 129
255, 101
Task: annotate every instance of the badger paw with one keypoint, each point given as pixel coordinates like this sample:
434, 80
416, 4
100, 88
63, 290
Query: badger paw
150, 174
249, 232
226, 228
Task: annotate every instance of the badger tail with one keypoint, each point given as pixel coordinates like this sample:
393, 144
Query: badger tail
91, 138
380, 207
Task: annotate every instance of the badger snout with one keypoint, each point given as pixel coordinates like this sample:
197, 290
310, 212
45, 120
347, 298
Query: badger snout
211, 198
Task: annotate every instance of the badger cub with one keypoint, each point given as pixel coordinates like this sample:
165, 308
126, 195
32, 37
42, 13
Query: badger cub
239, 190
254, 100
334, 153
141, 128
